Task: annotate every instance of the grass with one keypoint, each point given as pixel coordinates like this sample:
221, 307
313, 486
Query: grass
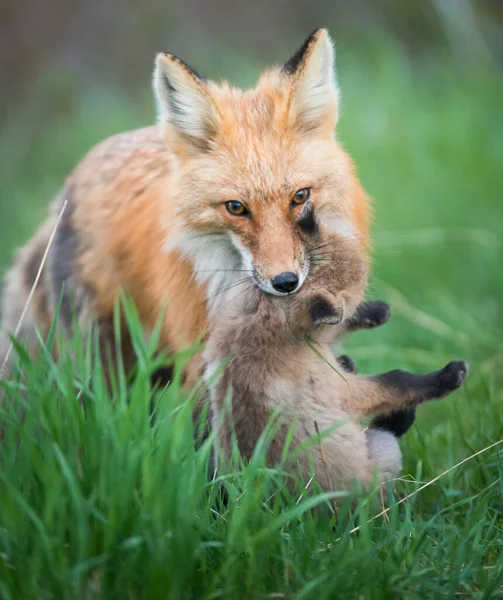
101, 500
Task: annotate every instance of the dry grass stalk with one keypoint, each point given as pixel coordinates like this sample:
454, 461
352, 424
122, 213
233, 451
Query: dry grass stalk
33, 288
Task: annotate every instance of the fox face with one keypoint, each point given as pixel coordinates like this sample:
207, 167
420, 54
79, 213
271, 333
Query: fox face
253, 167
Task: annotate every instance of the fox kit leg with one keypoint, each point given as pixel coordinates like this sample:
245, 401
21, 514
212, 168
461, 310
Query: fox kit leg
369, 315
378, 394
398, 421
383, 432
341, 459
352, 455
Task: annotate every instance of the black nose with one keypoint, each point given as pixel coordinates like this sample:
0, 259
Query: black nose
285, 283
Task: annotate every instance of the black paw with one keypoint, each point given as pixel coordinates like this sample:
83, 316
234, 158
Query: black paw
376, 313
452, 376
369, 315
323, 313
346, 363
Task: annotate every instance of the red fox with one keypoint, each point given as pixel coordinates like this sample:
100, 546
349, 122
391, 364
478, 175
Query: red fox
275, 366
210, 200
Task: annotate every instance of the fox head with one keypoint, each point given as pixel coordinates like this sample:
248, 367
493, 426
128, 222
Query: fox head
253, 168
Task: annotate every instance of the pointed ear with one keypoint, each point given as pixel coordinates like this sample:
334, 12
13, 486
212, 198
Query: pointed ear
185, 107
314, 97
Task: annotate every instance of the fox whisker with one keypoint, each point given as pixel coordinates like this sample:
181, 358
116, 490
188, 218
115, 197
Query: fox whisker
246, 289
227, 288
335, 258
333, 240
224, 271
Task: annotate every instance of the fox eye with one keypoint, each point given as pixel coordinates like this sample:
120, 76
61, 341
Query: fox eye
236, 209
301, 196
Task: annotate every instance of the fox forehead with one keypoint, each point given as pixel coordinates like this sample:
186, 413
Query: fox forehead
258, 154
258, 109
249, 167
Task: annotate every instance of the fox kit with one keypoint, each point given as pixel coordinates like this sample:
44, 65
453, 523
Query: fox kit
209, 200
273, 367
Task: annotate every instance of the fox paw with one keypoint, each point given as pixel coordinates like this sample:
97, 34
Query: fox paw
346, 363
376, 313
368, 315
452, 376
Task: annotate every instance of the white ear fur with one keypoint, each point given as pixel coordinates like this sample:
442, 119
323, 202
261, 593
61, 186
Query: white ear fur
182, 100
315, 93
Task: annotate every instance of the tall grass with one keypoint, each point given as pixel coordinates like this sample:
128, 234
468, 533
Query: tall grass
107, 495
102, 498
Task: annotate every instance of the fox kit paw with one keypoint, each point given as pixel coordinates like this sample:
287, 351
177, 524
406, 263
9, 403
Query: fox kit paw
452, 376
346, 363
369, 315
420, 388
325, 313
376, 313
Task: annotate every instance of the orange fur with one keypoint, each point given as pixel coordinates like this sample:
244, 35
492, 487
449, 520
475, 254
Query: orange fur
147, 208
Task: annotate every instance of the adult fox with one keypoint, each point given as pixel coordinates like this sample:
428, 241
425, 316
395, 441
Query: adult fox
212, 198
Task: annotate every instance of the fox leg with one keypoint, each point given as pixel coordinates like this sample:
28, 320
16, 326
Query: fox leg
350, 454
380, 394
398, 421
368, 315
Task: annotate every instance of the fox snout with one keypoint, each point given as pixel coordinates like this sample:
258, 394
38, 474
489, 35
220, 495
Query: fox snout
288, 282
283, 284
280, 262
281, 276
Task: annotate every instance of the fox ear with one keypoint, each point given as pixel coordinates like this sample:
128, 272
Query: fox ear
185, 107
314, 96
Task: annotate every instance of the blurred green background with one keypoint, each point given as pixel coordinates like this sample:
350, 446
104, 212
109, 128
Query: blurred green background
422, 115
